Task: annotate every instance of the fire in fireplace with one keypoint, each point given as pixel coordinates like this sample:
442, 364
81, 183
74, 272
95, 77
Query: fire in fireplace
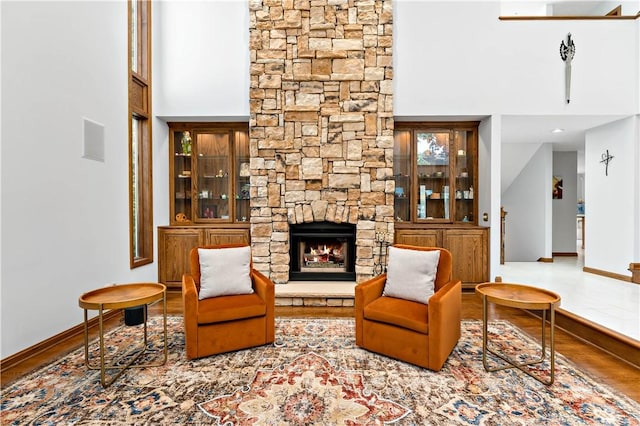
322, 251
326, 256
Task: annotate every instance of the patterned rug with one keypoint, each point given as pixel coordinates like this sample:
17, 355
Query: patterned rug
313, 374
307, 391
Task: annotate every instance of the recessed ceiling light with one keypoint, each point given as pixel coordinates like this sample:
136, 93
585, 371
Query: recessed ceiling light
557, 130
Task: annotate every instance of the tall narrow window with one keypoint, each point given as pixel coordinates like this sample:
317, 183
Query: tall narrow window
140, 185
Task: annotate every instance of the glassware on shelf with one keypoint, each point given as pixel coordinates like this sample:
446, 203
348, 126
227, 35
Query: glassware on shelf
185, 142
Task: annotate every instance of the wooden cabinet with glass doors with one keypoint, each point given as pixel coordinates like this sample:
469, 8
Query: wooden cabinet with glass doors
435, 174
208, 193
209, 173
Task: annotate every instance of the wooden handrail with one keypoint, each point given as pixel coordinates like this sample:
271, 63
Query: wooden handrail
569, 18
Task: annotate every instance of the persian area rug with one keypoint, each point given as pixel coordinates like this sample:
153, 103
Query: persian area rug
313, 375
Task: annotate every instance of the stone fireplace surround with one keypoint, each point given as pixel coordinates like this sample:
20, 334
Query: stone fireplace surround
321, 125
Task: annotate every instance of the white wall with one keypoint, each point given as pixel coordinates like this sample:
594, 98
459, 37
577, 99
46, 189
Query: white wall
565, 165
489, 152
611, 206
457, 58
202, 58
528, 205
65, 223
635, 188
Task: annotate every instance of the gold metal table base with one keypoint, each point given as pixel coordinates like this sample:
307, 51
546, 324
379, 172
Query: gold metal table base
521, 365
102, 365
523, 297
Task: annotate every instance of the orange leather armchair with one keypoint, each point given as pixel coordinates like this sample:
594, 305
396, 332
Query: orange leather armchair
226, 323
417, 333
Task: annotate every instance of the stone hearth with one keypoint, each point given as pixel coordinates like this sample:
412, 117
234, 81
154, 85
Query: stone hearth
316, 293
321, 125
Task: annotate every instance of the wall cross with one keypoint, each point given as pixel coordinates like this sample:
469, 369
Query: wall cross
606, 159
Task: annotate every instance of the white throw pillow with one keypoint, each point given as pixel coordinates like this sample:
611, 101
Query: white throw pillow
411, 274
225, 271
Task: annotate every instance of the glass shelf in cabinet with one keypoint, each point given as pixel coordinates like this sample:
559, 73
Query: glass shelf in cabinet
226, 175
213, 157
213, 198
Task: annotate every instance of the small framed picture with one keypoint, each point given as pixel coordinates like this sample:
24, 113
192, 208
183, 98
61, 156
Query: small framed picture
244, 169
399, 191
557, 188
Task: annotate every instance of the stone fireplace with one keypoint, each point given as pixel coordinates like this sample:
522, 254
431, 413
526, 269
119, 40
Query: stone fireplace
321, 125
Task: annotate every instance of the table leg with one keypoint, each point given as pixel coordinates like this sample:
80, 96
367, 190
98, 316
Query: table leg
86, 339
144, 312
552, 354
101, 331
544, 340
484, 332
164, 314
102, 366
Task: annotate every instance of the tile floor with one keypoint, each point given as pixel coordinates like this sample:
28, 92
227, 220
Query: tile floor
611, 303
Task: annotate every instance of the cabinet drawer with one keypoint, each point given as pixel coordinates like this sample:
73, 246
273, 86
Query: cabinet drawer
226, 236
419, 237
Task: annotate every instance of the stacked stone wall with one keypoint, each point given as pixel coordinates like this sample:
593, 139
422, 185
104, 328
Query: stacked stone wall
321, 125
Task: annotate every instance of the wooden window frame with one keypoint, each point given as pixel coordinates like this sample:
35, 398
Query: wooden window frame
140, 156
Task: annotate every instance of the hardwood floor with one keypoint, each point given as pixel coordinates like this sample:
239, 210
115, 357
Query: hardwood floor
604, 367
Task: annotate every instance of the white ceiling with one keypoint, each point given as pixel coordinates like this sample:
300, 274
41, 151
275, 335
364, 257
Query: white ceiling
537, 129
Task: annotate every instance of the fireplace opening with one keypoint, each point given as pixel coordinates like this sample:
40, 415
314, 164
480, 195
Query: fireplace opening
322, 251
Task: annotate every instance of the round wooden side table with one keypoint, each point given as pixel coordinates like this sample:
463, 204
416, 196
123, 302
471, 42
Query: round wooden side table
120, 297
523, 297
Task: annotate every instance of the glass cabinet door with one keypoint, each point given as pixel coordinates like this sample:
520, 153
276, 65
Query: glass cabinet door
213, 171
465, 173
402, 175
209, 173
182, 176
433, 170
242, 176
